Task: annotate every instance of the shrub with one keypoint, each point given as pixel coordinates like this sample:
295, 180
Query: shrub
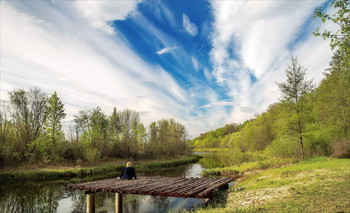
317, 144
341, 147
284, 147
92, 155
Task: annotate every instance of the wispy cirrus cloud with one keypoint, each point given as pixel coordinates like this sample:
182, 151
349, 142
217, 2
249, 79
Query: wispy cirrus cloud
252, 43
165, 50
195, 63
85, 67
190, 27
99, 13
220, 103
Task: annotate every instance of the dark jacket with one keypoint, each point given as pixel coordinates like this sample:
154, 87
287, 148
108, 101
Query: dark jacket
128, 173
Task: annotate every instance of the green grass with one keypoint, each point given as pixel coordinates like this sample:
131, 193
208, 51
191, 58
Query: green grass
51, 174
316, 185
213, 150
247, 166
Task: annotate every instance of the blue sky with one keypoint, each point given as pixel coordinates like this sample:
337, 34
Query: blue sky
204, 63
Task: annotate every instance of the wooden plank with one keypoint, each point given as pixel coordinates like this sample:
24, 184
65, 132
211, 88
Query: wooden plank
155, 186
206, 192
160, 186
193, 193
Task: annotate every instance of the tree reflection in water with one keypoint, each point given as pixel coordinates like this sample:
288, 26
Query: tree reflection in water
226, 159
57, 197
32, 197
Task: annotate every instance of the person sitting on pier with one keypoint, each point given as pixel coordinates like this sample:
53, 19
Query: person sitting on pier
128, 173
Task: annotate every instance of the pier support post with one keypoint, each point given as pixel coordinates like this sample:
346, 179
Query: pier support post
90, 203
118, 203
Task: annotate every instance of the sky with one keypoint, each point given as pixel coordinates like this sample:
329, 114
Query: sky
205, 63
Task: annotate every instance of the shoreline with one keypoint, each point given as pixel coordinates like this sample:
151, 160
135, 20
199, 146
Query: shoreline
77, 171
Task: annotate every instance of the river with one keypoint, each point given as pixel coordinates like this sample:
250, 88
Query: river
57, 197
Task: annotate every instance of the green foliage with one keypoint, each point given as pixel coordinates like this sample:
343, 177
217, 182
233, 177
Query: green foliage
53, 122
221, 137
334, 114
28, 116
284, 147
336, 90
256, 135
92, 155
341, 38
293, 92
257, 164
167, 137
296, 86
228, 159
31, 130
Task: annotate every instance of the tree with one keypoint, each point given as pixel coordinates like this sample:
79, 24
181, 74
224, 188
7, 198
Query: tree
335, 88
55, 115
336, 110
29, 113
293, 91
128, 120
340, 40
114, 123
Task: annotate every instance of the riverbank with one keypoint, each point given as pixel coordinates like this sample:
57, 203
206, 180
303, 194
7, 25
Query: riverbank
316, 185
65, 172
213, 150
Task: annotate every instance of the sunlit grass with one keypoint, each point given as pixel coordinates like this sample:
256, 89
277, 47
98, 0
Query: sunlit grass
316, 185
248, 166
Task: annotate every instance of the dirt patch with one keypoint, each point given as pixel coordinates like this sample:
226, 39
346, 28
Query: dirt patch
244, 199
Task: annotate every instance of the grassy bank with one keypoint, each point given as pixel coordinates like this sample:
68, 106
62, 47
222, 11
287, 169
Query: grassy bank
241, 169
76, 171
213, 150
315, 185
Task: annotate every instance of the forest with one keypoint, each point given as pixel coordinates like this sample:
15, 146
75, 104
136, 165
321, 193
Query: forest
308, 120
31, 131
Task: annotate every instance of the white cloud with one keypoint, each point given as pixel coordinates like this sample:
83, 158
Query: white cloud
99, 13
253, 38
219, 103
207, 74
165, 50
195, 63
86, 68
191, 28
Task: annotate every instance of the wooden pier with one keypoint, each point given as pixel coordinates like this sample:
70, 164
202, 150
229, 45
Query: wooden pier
157, 186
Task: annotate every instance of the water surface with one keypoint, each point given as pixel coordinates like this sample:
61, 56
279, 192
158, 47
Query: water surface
24, 197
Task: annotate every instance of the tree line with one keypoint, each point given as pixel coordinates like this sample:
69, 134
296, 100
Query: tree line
31, 131
307, 120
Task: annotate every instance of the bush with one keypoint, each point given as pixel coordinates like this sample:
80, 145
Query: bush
317, 144
92, 155
341, 147
284, 147
39, 148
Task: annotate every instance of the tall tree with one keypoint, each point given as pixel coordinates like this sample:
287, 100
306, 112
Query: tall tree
29, 113
114, 123
293, 91
128, 120
55, 115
